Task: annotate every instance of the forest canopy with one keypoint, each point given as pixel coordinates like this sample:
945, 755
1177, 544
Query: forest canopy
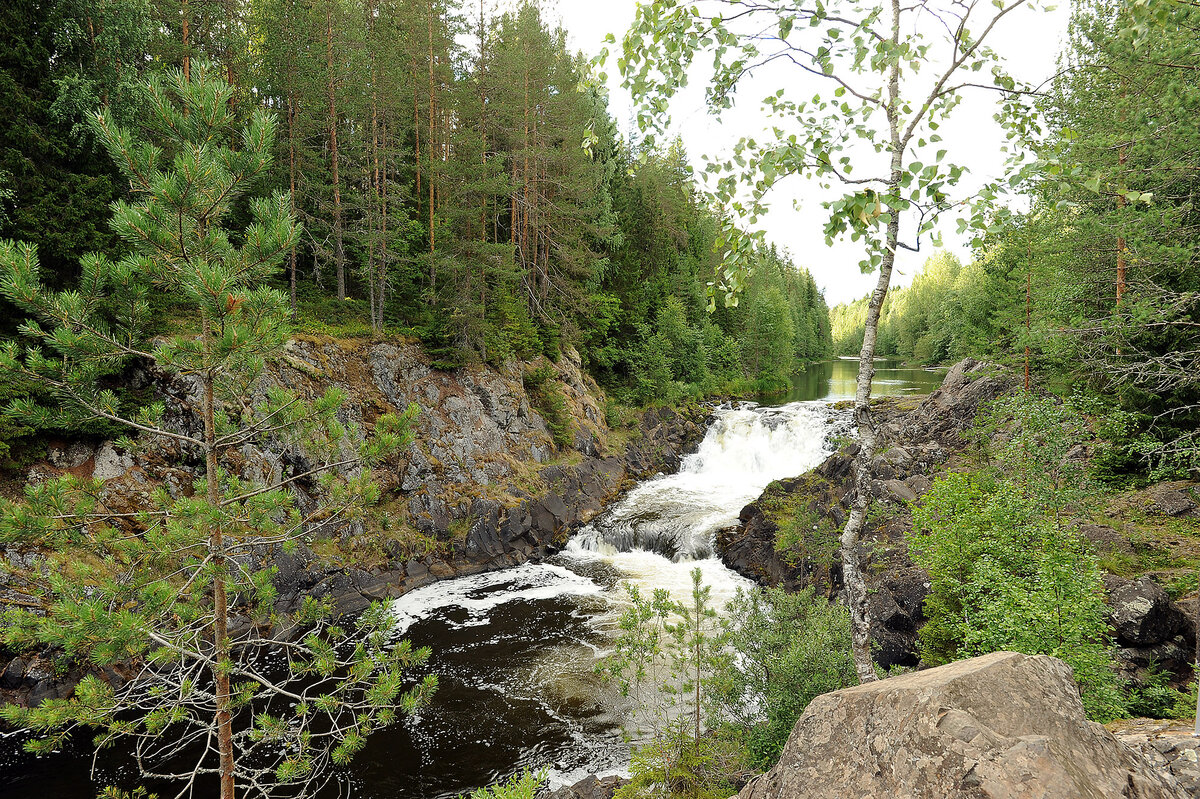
435, 156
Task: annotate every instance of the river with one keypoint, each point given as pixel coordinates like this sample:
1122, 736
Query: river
514, 650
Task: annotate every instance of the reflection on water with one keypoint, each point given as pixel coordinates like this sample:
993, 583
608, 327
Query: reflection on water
837, 380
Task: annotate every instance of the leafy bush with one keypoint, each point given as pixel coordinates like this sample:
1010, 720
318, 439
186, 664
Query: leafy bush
1156, 699
718, 698
1006, 568
519, 786
782, 651
662, 656
806, 537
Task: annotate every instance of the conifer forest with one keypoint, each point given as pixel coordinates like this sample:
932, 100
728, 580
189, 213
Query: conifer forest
426, 399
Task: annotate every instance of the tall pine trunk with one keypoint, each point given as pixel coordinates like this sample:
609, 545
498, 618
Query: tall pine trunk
220, 654
185, 31
339, 253
291, 134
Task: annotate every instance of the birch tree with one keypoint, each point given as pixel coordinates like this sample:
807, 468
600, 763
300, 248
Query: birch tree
859, 91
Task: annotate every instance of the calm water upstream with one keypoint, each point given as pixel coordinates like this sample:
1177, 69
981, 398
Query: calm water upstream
514, 649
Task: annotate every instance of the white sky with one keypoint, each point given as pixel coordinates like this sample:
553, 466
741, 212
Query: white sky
1028, 40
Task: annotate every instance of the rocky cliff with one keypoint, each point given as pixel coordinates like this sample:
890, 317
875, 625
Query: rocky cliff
922, 438
999, 726
483, 487
917, 440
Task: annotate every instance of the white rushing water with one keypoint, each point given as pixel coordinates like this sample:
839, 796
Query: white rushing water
666, 526
555, 619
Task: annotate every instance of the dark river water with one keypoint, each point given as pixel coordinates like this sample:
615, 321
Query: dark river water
514, 650
837, 380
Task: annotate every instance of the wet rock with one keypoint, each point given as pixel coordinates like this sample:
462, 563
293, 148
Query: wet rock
1000, 726
914, 447
590, 787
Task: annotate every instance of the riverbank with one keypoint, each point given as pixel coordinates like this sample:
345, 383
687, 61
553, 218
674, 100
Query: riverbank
1148, 541
514, 648
484, 486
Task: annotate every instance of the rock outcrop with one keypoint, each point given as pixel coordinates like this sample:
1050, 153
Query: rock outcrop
1170, 746
1000, 726
590, 787
483, 486
1151, 631
916, 442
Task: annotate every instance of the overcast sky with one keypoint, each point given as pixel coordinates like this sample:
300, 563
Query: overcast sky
1029, 40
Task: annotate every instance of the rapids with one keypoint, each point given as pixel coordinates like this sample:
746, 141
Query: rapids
514, 650
558, 618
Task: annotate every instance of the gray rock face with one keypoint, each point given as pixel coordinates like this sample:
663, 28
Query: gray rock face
1169, 500
1169, 745
472, 479
1001, 726
1141, 612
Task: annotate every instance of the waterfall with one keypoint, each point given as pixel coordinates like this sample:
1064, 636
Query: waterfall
677, 516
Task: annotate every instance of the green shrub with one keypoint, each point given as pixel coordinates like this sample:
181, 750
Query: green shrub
782, 651
1156, 699
519, 786
1007, 570
662, 657
546, 397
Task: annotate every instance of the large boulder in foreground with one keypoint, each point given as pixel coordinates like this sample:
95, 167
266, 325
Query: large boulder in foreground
1001, 726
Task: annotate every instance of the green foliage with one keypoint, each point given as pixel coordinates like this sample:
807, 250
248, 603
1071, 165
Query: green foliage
439, 172
548, 398
713, 699
874, 98
783, 650
116, 793
656, 343
661, 659
1156, 699
804, 538
519, 786
156, 589
1006, 568
948, 313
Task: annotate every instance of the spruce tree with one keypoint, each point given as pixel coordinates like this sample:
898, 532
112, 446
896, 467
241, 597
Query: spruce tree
181, 591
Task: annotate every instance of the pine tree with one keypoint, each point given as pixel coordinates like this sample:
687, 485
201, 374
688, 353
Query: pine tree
181, 590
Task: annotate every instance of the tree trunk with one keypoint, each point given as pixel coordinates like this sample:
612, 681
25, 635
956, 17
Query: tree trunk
1122, 157
339, 253
856, 586
187, 43
429, 147
220, 631
291, 134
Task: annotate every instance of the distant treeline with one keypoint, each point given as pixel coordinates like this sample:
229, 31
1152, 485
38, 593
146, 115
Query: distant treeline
948, 313
458, 178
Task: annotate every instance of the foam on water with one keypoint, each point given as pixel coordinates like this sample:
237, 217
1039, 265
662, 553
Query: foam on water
479, 594
525, 638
